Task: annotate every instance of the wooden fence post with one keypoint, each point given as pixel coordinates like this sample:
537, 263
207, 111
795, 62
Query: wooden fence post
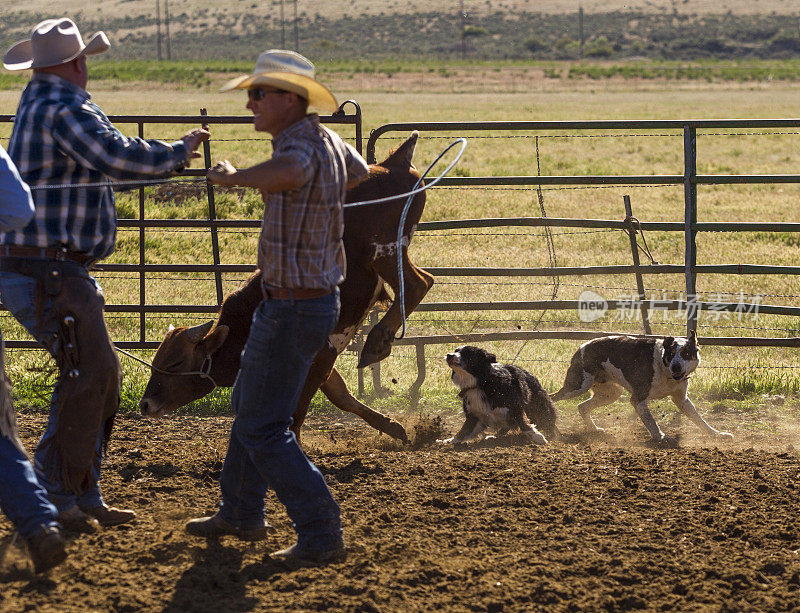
635, 254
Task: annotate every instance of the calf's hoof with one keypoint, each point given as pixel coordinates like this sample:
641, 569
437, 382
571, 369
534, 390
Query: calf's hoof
395, 430
377, 346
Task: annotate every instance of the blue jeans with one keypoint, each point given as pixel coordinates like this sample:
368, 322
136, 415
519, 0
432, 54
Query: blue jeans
18, 293
21, 497
263, 453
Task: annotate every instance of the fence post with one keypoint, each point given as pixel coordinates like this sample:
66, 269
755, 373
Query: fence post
690, 218
377, 388
142, 283
212, 216
414, 390
635, 254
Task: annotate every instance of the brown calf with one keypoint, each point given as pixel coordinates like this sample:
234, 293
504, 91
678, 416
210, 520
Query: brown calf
370, 237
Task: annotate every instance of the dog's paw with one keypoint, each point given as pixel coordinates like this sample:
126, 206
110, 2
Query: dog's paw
534, 437
724, 435
444, 441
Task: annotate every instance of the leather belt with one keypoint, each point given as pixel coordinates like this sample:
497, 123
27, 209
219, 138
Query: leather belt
288, 293
49, 253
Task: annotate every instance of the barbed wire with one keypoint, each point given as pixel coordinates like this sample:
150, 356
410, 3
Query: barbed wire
437, 359
620, 135
489, 188
426, 234
433, 322
666, 292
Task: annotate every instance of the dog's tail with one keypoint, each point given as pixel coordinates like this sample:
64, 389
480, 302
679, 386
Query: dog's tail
575, 381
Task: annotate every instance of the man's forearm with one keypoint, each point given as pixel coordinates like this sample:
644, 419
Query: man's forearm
274, 175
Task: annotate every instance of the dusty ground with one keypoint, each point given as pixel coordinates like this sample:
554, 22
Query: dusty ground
600, 525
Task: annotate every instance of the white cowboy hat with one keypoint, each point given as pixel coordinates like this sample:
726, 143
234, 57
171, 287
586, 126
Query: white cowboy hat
289, 71
53, 42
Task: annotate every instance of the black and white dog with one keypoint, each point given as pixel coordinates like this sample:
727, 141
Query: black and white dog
648, 368
500, 396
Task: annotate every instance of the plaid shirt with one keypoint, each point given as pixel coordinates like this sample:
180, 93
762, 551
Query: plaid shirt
301, 236
61, 137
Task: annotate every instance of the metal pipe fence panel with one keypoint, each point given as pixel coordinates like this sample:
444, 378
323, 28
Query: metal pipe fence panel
689, 179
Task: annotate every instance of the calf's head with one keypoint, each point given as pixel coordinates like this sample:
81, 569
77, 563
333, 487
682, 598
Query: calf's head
183, 351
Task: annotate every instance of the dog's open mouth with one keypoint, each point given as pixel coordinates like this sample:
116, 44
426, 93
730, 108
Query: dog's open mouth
678, 375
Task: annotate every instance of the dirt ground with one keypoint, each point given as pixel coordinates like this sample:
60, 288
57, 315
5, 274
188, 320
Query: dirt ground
599, 525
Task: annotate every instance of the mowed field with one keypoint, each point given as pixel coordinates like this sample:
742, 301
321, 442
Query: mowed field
608, 524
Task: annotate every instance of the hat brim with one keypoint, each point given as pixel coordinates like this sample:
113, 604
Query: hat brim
20, 56
317, 94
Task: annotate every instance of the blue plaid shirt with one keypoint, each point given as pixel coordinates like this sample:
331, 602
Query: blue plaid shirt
61, 137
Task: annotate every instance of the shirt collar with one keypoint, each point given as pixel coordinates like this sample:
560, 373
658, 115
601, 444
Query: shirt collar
59, 84
309, 123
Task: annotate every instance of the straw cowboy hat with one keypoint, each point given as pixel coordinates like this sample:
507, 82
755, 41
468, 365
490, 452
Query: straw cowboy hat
53, 42
288, 71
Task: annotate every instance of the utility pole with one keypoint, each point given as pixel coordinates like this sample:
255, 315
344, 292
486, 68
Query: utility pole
296, 34
158, 28
283, 33
166, 28
463, 29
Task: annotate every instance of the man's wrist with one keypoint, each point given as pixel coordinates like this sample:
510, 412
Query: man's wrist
182, 154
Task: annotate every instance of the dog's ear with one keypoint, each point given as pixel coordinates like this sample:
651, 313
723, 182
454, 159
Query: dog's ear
491, 357
692, 338
668, 343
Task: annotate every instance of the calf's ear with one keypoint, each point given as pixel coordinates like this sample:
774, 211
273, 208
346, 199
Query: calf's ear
214, 339
197, 333
401, 157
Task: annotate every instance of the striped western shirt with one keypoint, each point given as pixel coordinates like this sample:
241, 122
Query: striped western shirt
301, 235
62, 138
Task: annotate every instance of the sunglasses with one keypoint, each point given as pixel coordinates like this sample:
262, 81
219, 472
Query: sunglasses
257, 93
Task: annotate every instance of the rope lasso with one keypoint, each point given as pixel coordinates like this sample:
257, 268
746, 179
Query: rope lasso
203, 373
404, 213
145, 182
205, 369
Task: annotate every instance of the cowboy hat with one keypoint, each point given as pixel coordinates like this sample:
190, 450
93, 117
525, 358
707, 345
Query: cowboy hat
288, 71
53, 42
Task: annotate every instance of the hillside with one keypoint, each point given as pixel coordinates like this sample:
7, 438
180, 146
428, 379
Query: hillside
338, 8
516, 29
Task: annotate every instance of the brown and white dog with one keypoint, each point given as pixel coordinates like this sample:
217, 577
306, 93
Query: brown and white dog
499, 396
648, 368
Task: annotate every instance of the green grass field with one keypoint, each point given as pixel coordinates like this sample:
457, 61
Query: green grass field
730, 377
